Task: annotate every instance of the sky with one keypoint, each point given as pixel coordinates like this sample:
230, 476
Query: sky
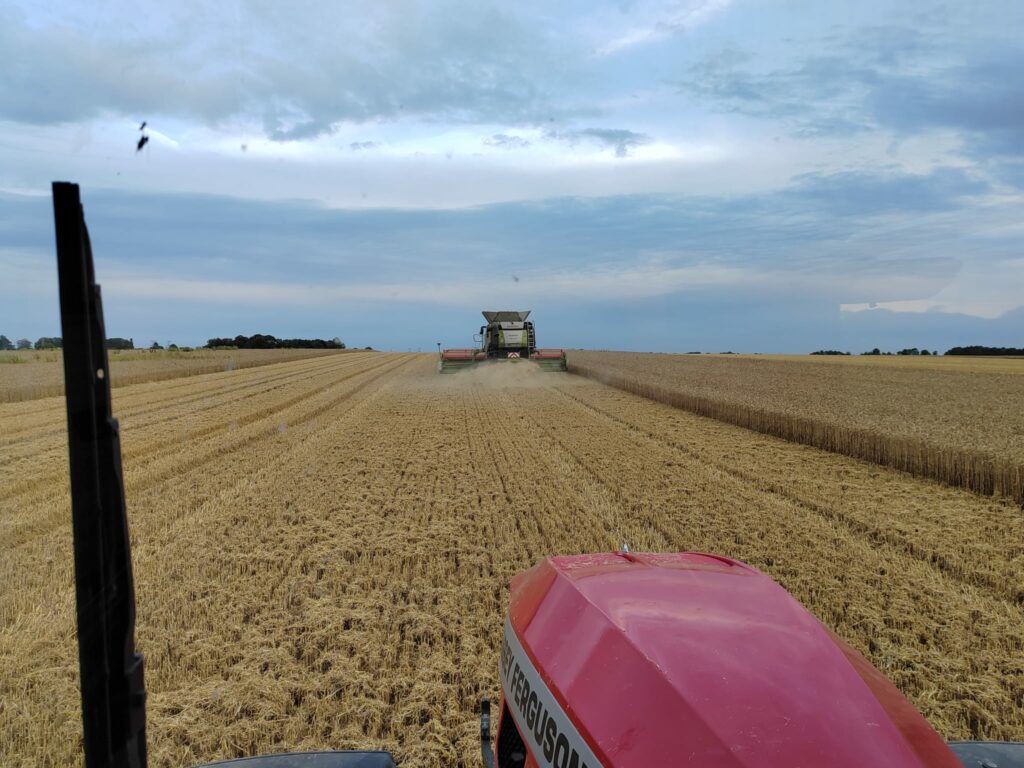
704, 175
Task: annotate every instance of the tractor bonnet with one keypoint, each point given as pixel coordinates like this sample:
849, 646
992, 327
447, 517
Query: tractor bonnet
639, 659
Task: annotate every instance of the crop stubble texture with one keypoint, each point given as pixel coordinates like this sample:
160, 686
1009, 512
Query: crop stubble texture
322, 552
932, 418
41, 374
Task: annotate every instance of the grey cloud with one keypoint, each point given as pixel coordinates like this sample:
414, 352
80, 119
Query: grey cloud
826, 239
1010, 171
821, 95
932, 330
889, 77
865, 194
279, 128
983, 99
505, 141
890, 45
446, 61
56, 75
660, 20
816, 224
357, 146
621, 140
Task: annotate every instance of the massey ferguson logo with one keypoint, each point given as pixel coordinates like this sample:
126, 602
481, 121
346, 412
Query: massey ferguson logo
545, 727
513, 354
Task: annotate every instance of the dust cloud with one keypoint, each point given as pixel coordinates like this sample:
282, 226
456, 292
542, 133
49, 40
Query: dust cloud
523, 375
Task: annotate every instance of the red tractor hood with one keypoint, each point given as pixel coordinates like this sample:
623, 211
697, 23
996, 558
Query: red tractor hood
692, 659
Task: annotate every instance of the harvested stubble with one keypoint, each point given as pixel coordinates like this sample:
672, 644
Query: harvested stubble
41, 374
322, 551
956, 423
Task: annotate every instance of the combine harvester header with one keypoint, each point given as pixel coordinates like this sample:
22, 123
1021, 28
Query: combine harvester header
507, 337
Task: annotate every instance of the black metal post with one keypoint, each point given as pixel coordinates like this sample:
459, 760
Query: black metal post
113, 691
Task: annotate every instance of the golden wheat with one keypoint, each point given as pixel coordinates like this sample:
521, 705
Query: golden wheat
964, 428
41, 374
322, 550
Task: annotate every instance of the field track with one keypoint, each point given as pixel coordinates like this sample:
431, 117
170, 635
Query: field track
322, 551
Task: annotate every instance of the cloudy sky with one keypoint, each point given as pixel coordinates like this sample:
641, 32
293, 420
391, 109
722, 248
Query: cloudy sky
752, 175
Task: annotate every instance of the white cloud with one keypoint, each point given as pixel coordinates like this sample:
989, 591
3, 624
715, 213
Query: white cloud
652, 276
986, 289
607, 283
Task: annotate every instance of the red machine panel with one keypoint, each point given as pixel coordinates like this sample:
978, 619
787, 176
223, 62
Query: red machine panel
548, 354
678, 659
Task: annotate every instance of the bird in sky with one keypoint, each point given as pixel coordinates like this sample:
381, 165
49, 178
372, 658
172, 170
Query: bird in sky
143, 126
142, 143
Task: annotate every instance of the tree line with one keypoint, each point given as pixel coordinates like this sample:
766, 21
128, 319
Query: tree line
265, 341
57, 342
877, 351
46, 342
993, 351
974, 350
258, 341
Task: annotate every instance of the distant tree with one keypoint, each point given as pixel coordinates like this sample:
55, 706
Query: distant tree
50, 342
875, 351
172, 346
265, 341
155, 345
910, 351
5, 344
925, 352
118, 343
24, 344
829, 352
987, 351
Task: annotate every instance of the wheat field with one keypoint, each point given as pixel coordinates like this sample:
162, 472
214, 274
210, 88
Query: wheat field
29, 374
322, 549
956, 420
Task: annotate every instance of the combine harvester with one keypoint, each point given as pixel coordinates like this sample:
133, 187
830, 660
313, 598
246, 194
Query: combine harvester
609, 660
507, 337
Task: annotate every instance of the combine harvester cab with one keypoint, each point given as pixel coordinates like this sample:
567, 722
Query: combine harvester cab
507, 337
